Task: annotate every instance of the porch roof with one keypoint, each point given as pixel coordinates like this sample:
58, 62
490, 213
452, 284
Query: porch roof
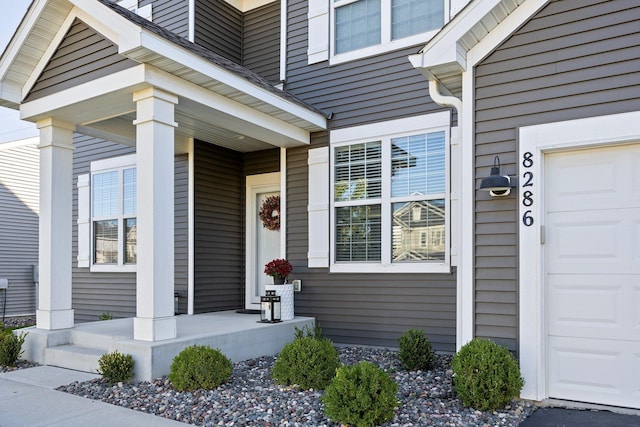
219, 101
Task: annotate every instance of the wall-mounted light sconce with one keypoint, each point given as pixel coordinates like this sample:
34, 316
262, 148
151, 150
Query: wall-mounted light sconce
497, 185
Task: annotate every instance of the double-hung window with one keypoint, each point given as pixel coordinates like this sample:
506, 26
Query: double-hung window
367, 27
113, 214
390, 196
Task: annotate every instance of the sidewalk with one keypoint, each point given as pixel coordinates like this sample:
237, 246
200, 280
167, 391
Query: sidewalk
28, 398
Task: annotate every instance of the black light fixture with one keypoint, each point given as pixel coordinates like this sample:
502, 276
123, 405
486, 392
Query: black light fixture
497, 185
270, 308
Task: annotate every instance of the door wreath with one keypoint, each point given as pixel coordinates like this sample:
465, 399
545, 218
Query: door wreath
270, 213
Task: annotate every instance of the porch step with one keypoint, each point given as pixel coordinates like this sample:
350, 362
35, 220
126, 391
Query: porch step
90, 340
74, 357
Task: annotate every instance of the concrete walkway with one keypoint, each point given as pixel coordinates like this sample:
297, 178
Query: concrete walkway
28, 398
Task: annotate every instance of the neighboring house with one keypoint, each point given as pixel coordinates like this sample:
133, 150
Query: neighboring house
18, 226
376, 146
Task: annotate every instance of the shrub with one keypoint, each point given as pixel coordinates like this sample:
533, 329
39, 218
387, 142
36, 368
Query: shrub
116, 367
10, 347
415, 351
105, 316
307, 361
200, 367
362, 395
486, 375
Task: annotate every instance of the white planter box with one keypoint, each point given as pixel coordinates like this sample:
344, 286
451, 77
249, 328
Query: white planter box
285, 292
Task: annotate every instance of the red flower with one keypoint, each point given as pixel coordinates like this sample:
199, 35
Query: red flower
278, 268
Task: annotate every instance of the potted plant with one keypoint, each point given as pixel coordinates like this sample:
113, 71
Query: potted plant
279, 269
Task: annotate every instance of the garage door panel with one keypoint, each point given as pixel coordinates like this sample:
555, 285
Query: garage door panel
578, 371
593, 306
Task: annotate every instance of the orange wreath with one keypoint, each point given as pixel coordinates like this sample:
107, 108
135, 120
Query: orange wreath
270, 213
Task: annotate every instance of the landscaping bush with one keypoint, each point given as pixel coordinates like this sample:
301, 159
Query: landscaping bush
307, 361
415, 351
116, 367
200, 367
10, 347
486, 375
362, 395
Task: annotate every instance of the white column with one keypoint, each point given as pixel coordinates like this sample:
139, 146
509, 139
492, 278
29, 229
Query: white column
56, 186
155, 128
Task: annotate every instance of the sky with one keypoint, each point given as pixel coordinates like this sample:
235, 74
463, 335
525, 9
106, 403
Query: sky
11, 127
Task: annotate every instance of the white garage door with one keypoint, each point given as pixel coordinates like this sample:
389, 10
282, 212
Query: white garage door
592, 265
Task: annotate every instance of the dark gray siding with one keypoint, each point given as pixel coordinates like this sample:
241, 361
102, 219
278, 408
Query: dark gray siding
218, 27
218, 238
261, 41
572, 60
171, 14
344, 304
19, 208
83, 56
115, 293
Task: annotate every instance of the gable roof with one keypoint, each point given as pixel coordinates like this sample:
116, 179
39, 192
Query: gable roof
47, 21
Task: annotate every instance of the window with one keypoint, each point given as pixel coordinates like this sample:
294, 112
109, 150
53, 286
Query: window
367, 27
132, 5
113, 214
390, 196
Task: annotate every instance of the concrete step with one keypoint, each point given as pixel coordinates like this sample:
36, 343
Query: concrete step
75, 357
82, 338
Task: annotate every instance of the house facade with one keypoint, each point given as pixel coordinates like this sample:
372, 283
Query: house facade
165, 125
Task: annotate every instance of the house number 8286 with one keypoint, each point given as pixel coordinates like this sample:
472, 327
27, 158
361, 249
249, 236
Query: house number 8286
527, 195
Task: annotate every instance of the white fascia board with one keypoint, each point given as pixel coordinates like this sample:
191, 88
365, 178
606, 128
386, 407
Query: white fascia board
154, 43
10, 94
107, 22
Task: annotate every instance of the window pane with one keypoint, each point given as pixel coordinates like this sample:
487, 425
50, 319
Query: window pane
130, 241
417, 165
418, 231
358, 171
410, 17
105, 242
105, 194
357, 25
358, 233
129, 204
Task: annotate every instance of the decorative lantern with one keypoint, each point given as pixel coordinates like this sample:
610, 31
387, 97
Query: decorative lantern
270, 308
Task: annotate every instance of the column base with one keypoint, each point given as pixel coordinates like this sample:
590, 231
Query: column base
158, 329
54, 319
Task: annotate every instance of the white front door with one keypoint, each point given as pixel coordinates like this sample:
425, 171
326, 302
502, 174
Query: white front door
592, 273
262, 244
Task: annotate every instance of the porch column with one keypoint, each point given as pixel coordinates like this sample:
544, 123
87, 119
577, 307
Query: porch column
155, 128
56, 186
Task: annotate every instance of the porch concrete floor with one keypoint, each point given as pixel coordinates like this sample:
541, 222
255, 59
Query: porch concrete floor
238, 336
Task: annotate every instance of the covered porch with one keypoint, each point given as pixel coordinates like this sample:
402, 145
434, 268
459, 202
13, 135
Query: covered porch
238, 336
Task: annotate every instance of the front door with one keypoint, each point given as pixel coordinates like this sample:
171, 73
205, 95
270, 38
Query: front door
262, 237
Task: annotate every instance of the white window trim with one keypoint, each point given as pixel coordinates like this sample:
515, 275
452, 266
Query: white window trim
98, 166
394, 128
132, 5
386, 44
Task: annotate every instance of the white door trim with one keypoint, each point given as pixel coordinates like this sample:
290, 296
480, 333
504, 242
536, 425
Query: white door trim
256, 184
537, 140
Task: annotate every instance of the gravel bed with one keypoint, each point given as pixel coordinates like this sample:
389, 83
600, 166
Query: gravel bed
13, 322
251, 398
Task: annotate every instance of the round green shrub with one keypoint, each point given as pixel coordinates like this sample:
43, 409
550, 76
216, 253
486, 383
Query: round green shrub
200, 367
486, 375
116, 367
10, 347
362, 395
308, 362
415, 351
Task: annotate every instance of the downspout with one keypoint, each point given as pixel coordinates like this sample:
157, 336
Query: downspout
464, 303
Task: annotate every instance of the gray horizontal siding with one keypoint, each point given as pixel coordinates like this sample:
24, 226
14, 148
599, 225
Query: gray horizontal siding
218, 241
218, 27
115, 293
368, 90
261, 41
572, 60
344, 304
171, 14
83, 56
19, 208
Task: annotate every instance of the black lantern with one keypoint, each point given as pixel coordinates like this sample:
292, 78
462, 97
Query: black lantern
270, 308
497, 185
